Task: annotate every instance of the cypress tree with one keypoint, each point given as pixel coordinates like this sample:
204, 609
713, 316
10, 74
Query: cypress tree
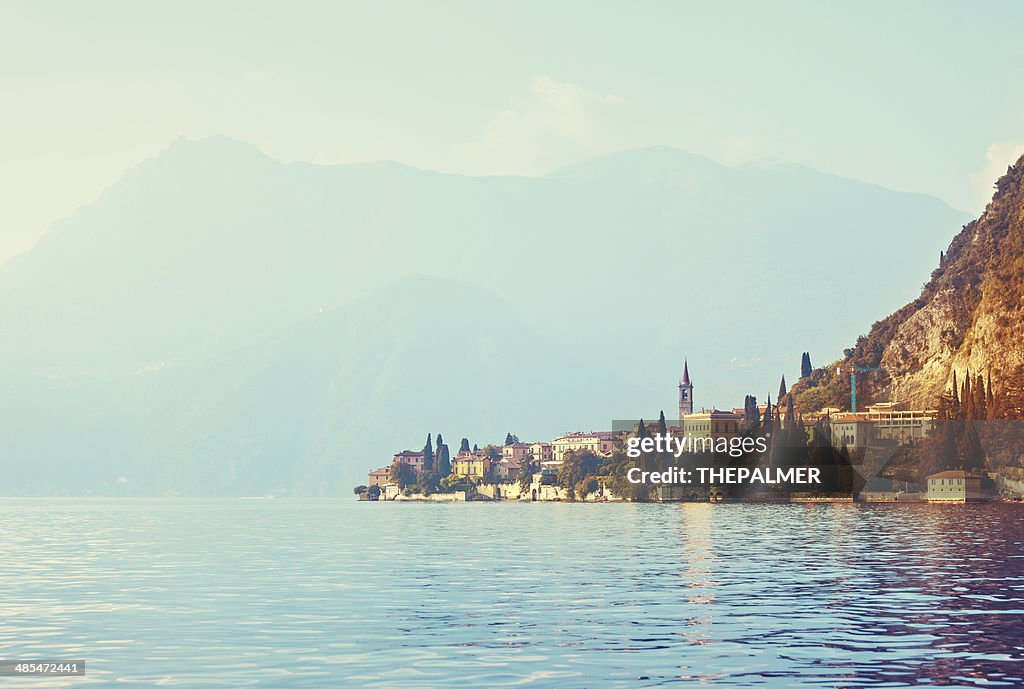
782, 387
751, 417
796, 439
464, 446
955, 402
966, 399
428, 455
805, 365
980, 403
993, 404
664, 459
938, 449
777, 445
444, 460
641, 433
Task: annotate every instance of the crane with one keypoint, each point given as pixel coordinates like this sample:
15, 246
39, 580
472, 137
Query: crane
854, 370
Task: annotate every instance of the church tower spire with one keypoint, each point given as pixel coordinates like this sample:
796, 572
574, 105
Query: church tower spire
685, 392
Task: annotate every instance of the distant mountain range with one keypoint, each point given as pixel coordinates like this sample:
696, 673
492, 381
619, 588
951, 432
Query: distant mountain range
218, 322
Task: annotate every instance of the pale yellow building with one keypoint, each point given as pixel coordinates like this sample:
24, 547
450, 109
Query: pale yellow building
598, 442
883, 423
956, 486
852, 430
542, 452
904, 426
474, 465
712, 423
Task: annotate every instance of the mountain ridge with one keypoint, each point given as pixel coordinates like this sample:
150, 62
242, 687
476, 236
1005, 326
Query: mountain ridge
625, 270
969, 315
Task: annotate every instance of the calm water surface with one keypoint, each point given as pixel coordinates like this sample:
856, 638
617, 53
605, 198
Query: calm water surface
290, 593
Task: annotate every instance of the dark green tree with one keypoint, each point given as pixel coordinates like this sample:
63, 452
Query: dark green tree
751, 416
938, 449
428, 455
464, 446
792, 423
525, 476
782, 388
777, 444
428, 482
444, 461
641, 433
980, 399
511, 439
577, 468
616, 468
966, 398
664, 458
402, 474
805, 365
969, 453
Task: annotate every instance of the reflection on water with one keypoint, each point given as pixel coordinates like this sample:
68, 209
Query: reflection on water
280, 593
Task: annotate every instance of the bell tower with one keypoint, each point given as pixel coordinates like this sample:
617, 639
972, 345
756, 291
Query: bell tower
685, 393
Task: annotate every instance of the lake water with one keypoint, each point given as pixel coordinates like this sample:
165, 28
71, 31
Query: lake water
291, 593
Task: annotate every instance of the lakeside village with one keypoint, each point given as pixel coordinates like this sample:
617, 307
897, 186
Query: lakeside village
884, 453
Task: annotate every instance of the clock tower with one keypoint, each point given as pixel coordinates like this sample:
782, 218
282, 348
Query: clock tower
685, 393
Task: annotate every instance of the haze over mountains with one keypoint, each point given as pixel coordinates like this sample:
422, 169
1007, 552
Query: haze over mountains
218, 322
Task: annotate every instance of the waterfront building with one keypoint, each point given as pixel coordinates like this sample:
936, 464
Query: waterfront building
412, 458
378, 477
956, 486
598, 442
475, 465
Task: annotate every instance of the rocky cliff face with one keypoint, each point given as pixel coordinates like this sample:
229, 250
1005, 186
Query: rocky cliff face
970, 314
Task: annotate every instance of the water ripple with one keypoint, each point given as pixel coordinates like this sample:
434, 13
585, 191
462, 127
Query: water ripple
337, 593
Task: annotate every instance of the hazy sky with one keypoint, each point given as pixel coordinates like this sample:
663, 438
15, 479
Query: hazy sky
918, 96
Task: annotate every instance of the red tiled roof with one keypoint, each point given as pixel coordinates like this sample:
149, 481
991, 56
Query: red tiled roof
955, 473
